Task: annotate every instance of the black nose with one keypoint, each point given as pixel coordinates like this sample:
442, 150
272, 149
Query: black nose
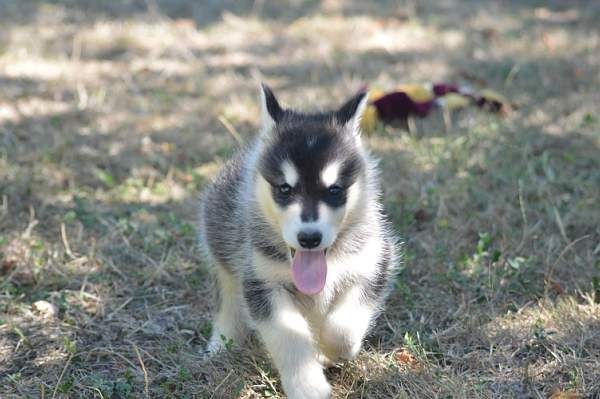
309, 239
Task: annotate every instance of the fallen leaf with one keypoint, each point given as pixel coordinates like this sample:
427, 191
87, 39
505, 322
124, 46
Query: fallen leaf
557, 287
421, 216
407, 359
7, 266
559, 394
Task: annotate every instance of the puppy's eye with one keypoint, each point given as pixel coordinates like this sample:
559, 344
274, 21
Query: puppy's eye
285, 189
335, 190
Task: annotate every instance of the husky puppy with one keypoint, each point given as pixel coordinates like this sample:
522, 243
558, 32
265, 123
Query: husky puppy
301, 250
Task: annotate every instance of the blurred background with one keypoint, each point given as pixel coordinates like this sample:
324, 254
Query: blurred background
115, 114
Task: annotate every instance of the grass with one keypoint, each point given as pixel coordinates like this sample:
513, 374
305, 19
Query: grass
111, 122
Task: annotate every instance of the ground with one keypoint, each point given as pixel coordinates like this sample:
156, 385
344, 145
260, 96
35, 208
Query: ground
114, 115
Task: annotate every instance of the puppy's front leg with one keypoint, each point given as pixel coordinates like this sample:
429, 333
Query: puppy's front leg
288, 339
347, 324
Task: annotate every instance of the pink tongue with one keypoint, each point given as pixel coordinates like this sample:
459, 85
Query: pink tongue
309, 270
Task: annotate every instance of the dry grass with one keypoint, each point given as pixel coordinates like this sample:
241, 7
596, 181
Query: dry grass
111, 122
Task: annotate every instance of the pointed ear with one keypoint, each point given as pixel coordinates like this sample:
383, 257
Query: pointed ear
271, 111
349, 114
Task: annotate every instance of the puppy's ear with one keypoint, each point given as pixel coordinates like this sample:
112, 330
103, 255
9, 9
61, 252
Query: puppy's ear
271, 111
350, 113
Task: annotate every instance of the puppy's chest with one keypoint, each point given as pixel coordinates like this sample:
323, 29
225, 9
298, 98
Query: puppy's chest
316, 308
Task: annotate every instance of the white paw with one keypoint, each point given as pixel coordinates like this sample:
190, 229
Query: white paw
216, 344
309, 383
325, 361
350, 351
341, 342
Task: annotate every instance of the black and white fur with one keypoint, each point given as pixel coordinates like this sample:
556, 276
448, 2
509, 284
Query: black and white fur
247, 230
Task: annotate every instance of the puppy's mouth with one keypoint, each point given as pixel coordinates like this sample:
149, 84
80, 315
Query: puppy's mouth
309, 270
293, 251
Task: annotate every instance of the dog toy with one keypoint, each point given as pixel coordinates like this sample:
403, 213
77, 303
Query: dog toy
420, 99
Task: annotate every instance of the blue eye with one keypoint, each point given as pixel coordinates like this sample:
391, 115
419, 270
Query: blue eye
335, 190
285, 189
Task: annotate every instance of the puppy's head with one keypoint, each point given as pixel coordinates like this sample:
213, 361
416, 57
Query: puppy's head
311, 171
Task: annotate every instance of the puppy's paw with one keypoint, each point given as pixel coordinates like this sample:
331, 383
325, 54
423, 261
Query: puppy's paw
308, 383
341, 342
325, 361
215, 345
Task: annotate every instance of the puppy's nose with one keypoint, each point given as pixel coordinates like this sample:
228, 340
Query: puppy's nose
309, 239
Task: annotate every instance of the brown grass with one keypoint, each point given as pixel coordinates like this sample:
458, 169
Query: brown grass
113, 115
